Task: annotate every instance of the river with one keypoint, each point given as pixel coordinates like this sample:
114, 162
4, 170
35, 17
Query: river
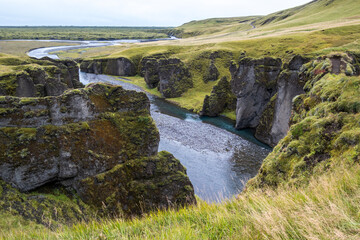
219, 159
47, 51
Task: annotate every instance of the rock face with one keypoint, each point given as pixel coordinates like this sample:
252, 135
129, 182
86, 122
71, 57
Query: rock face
150, 71
44, 77
81, 134
117, 67
140, 185
221, 98
170, 76
254, 83
274, 123
324, 132
212, 73
265, 89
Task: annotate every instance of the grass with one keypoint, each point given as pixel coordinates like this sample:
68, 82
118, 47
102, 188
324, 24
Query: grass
313, 16
328, 208
20, 48
83, 33
313, 12
215, 25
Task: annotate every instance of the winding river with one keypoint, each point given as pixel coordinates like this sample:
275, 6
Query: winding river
219, 159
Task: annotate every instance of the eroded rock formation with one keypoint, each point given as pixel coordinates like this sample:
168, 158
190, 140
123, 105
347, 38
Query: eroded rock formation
169, 75
85, 134
254, 83
274, 122
42, 78
220, 99
112, 66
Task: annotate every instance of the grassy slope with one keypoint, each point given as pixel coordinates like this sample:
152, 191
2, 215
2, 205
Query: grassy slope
313, 12
315, 15
216, 25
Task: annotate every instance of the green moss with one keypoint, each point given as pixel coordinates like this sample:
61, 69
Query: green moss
324, 130
28, 101
49, 209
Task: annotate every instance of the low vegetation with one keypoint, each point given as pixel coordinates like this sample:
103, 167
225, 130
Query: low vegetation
83, 33
328, 208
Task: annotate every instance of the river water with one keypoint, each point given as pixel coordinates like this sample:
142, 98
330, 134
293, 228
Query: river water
47, 51
219, 159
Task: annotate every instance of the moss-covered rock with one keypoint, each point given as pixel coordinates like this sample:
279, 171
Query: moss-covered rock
221, 98
324, 128
85, 134
212, 73
139, 185
150, 70
75, 135
170, 75
40, 78
111, 66
52, 206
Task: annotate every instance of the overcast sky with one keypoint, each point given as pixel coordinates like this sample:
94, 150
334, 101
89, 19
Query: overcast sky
131, 12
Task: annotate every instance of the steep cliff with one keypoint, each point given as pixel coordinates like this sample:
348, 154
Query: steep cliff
253, 82
274, 122
38, 78
117, 66
170, 75
82, 134
265, 89
324, 128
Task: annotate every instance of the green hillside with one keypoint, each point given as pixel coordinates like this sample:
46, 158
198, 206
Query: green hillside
313, 13
317, 11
